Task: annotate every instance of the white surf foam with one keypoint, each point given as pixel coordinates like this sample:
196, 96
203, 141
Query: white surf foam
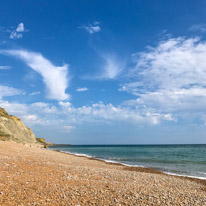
128, 165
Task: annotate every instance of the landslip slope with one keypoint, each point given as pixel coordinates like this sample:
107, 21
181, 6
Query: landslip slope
13, 129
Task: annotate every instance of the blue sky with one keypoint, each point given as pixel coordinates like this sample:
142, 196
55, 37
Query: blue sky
105, 72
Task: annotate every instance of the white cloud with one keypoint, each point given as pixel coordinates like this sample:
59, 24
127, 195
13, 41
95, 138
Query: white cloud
48, 115
65, 104
38, 113
92, 28
54, 77
198, 27
9, 91
170, 78
45, 107
14, 107
82, 89
34, 93
168, 81
17, 33
5, 67
20, 28
109, 113
31, 117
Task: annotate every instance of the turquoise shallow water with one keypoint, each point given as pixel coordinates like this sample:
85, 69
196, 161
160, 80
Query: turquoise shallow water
187, 160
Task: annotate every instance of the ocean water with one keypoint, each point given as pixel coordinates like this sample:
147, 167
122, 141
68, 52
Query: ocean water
185, 160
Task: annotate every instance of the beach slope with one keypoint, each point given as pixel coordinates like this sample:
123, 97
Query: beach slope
30, 175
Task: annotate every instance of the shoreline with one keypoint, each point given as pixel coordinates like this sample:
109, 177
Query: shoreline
137, 168
32, 175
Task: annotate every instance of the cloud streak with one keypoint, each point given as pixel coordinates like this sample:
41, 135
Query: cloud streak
5, 67
82, 89
54, 77
9, 91
198, 27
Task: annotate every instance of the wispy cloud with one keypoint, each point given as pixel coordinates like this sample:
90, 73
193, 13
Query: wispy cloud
54, 77
17, 33
34, 93
198, 27
111, 68
69, 128
9, 91
170, 78
92, 28
5, 67
82, 89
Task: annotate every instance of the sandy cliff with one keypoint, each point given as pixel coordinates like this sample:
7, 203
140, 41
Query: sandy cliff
13, 129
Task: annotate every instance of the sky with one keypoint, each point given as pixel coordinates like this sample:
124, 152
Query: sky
106, 72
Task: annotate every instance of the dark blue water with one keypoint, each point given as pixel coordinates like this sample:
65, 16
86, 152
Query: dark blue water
187, 160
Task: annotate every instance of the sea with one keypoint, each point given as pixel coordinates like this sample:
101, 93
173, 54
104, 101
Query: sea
182, 160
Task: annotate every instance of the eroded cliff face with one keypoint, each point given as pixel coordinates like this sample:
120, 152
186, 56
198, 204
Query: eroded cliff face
13, 129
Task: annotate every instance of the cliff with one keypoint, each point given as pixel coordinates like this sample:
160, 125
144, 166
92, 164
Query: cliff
13, 129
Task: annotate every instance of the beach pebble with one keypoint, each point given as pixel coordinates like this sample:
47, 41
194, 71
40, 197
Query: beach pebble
43, 177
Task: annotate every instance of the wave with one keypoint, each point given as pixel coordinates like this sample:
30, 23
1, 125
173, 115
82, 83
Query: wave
181, 175
93, 157
130, 165
76, 154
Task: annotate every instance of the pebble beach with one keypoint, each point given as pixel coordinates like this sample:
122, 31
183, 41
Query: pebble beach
31, 175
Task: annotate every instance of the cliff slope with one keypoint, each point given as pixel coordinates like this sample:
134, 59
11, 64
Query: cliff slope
13, 129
